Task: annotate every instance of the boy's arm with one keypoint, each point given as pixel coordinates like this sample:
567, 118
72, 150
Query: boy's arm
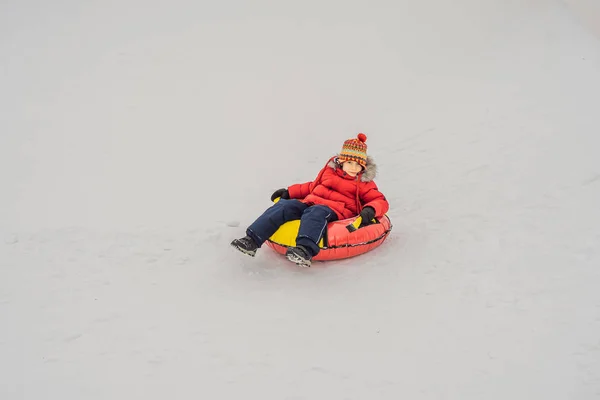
370, 196
300, 190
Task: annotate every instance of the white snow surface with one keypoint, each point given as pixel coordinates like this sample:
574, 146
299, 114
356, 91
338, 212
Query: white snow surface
138, 138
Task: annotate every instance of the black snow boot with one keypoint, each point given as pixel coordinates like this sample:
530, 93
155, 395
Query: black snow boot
246, 245
299, 255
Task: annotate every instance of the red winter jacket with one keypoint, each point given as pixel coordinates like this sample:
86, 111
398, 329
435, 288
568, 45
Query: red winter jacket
345, 195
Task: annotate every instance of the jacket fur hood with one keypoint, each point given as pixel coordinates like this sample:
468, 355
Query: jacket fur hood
369, 173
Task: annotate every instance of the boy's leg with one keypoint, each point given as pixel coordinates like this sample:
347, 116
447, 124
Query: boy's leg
312, 226
275, 216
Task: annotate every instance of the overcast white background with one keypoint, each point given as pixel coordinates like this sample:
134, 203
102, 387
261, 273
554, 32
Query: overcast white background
137, 139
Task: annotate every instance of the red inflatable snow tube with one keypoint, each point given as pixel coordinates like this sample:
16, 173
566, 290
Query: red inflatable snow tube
338, 241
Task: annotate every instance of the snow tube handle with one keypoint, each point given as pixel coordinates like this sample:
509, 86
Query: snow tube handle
354, 225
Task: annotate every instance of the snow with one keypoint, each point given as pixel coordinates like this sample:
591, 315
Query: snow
137, 139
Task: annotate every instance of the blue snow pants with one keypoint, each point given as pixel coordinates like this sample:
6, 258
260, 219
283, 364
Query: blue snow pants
313, 222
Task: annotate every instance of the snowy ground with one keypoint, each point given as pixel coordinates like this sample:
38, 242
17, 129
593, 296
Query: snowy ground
137, 139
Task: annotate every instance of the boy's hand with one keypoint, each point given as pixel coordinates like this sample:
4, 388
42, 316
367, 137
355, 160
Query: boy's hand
367, 214
283, 193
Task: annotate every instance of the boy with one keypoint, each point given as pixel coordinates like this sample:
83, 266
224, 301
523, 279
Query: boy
343, 189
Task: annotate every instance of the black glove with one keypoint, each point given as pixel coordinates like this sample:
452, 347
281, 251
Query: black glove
367, 214
283, 193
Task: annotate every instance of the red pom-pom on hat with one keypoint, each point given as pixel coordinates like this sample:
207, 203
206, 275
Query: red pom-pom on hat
362, 137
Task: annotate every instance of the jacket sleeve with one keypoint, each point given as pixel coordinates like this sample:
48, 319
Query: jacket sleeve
372, 197
300, 190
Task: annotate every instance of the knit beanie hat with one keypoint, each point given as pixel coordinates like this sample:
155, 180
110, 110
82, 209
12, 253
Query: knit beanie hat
355, 150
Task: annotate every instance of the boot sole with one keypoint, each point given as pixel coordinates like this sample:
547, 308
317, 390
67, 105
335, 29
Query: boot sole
242, 250
298, 260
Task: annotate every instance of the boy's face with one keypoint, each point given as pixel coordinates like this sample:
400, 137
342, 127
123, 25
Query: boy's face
352, 168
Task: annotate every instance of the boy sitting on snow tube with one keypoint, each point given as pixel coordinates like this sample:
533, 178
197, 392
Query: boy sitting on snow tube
343, 189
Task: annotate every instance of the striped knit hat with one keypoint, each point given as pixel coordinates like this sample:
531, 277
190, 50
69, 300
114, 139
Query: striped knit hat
355, 150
